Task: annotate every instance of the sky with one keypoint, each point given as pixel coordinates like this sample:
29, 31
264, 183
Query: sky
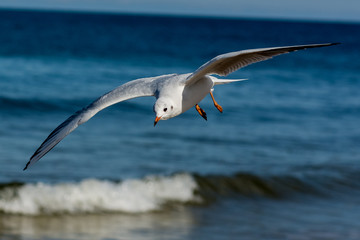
321, 10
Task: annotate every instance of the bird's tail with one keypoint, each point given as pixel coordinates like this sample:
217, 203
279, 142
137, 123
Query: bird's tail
224, 81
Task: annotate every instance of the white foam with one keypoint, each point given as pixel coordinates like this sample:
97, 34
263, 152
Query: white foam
91, 195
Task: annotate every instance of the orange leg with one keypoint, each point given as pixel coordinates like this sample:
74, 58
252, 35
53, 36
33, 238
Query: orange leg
215, 103
201, 111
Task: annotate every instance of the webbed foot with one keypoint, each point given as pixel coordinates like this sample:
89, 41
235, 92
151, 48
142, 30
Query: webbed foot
201, 111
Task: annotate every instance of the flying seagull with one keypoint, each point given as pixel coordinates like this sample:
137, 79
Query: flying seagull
174, 93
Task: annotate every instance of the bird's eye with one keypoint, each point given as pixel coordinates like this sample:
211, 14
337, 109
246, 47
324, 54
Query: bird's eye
165, 109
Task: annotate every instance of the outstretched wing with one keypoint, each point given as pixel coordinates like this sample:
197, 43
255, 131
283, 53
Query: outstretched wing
136, 88
229, 62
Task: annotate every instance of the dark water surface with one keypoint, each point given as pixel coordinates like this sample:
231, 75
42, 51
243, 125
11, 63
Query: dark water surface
281, 162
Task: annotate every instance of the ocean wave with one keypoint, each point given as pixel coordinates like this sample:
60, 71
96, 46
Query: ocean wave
311, 183
92, 195
156, 193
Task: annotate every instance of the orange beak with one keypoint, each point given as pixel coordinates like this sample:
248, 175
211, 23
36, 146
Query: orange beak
156, 120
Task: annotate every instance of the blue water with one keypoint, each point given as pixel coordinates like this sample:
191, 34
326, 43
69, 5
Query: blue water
281, 162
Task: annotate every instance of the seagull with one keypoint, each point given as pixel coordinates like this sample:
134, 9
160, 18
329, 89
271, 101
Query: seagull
174, 93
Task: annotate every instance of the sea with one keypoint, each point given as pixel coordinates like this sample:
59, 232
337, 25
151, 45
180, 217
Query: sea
281, 162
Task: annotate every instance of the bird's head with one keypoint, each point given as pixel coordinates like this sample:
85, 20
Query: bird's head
164, 109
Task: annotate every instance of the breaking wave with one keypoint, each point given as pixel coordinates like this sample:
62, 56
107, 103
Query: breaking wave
156, 193
92, 195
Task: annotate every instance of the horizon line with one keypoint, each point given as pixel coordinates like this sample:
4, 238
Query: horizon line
178, 15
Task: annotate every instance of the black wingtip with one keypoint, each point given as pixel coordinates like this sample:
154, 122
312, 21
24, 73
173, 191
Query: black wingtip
26, 166
324, 44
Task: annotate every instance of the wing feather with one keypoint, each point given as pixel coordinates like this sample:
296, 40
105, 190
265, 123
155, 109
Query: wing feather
230, 62
136, 88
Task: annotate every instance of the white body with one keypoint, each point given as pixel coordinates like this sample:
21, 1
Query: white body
184, 96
